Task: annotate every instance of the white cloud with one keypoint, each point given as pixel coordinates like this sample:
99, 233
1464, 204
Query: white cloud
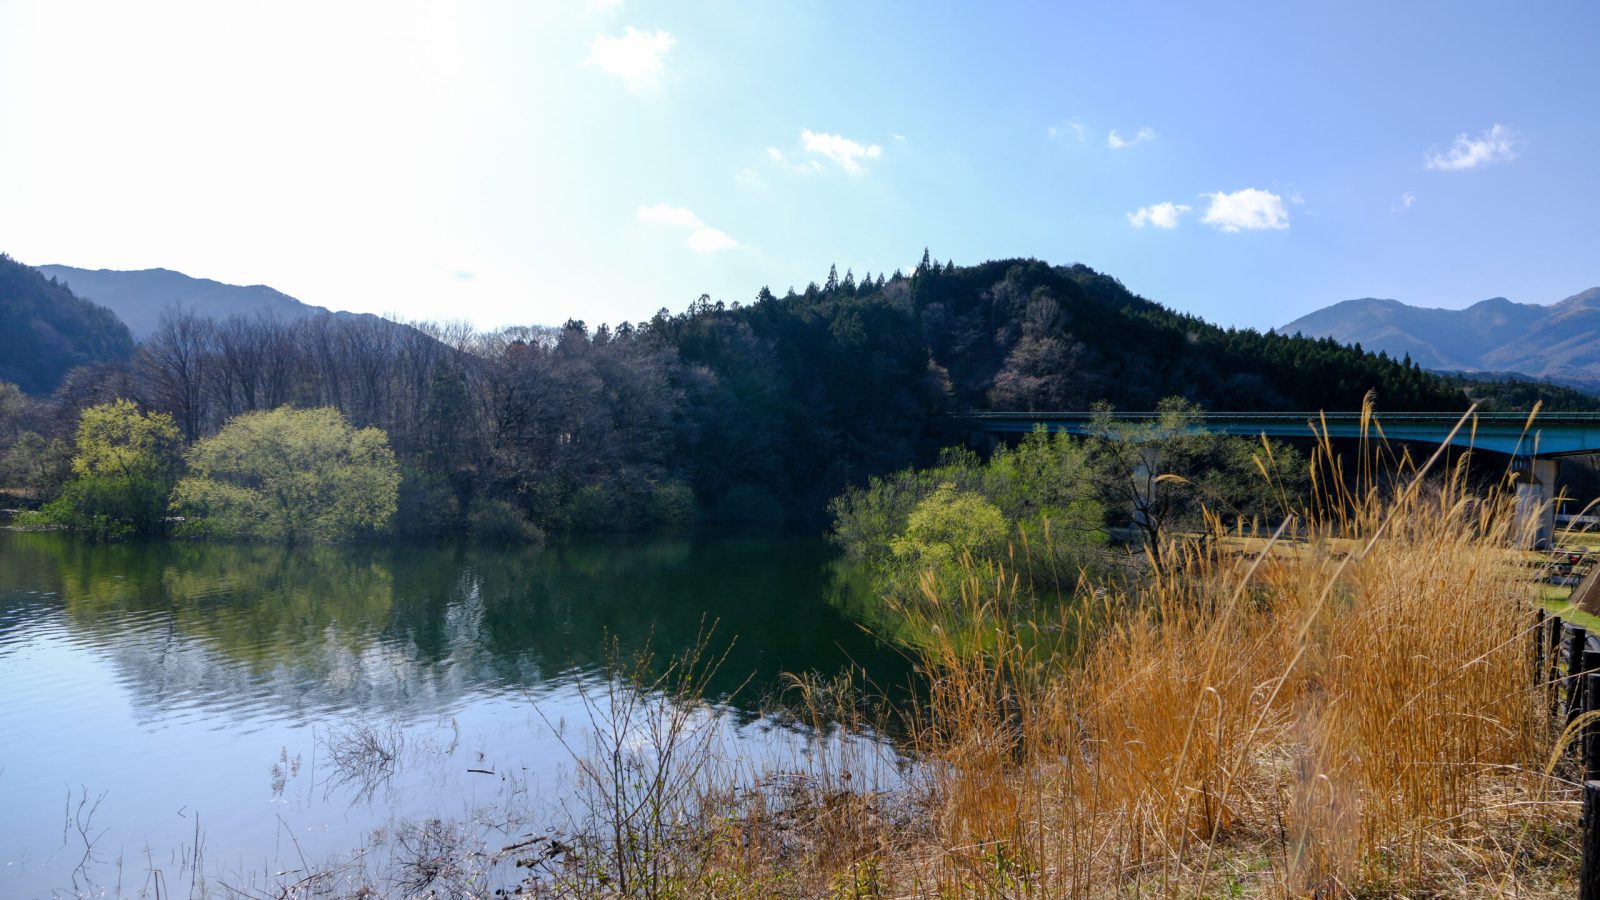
838, 149
662, 214
1251, 209
1498, 144
750, 179
801, 168
710, 240
703, 239
1406, 201
634, 57
1117, 142
1160, 215
1073, 128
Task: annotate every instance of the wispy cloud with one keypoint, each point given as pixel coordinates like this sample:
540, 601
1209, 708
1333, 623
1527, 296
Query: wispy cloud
1407, 199
710, 240
802, 167
662, 214
1117, 142
822, 151
1251, 209
751, 180
634, 56
839, 150
1498, 144
1070, 128
702, 238
1160, 215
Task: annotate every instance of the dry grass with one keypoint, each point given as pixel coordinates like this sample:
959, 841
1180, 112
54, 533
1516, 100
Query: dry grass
1331, 722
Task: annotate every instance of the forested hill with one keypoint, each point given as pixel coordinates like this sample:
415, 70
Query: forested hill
1020, 334
805, 392
46, 331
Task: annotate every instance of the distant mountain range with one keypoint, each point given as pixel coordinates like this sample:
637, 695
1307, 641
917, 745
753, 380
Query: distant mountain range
1559, 342
140, 297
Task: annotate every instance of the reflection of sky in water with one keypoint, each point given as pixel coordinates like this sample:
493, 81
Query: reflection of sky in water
173, 678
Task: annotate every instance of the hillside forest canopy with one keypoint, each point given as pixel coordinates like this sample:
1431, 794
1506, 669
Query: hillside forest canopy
726, 414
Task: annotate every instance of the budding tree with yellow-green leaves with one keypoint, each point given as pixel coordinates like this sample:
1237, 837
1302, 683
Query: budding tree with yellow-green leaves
122, 472
289, 475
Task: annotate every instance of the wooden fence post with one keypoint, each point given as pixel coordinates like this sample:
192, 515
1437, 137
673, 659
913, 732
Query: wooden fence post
1552, 658
1589, 872
1577, 638
1554, 643
1538, 645
1591, 729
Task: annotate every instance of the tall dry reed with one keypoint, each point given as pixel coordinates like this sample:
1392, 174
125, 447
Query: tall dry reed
1351, 712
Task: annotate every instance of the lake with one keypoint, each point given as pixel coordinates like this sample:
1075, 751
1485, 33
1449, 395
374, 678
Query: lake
175, 713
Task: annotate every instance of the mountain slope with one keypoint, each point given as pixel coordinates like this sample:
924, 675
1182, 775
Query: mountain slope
1559, 342
45, 330
140, 297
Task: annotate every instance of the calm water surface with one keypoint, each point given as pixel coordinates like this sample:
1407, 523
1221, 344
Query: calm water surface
164, 699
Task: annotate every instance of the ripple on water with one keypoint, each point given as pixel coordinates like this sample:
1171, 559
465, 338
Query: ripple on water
186, 680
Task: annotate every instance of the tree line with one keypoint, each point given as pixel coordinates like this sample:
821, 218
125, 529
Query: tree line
735, 414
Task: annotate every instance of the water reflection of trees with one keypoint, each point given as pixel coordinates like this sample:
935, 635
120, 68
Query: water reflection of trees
415, 628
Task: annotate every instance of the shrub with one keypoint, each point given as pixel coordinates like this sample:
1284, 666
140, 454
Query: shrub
499, 521
671, 506
427, 504
948, 524
290, 474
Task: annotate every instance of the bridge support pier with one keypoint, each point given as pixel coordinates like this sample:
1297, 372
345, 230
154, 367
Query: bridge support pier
1536, 501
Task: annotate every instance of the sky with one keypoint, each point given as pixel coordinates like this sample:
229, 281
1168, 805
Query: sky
531, 162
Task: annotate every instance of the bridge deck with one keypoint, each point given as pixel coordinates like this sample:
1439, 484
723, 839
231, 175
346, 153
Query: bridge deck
1549, 435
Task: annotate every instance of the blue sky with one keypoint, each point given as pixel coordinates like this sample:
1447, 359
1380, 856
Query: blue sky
520, 162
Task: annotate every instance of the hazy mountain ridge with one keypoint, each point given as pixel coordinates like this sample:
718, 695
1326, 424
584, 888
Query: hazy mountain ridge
1559, 342
140, 297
